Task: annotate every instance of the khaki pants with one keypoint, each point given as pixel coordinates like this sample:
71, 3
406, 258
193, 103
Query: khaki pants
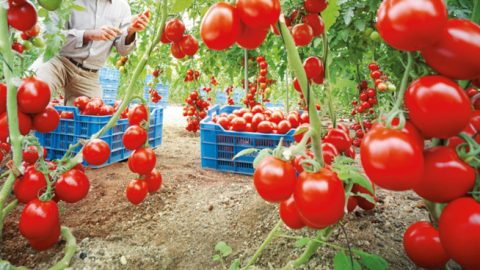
60, 74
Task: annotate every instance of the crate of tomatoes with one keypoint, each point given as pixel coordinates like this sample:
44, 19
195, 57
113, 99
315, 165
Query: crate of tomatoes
228, 130
86, 118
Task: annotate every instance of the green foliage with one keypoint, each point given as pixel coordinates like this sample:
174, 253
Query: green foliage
343, 262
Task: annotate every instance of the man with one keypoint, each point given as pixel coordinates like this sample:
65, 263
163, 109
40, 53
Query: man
90, 36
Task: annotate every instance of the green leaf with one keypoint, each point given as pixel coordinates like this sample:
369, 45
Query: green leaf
367, 197
343, 262
235, 265
42, 13
300, 130
181, 5
302, 242
331, 14
245, 152
223, 249
78, 7
346, 170
371, 261
216, 258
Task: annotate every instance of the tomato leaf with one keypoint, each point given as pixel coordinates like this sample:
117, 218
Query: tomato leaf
300, 130
331, 14
302, 242
245, 152
78, 7
371, 261
223, 249
181, 5
235, 265
216, 258
261, 155
42, 13
343, 262
367, 197
346, 170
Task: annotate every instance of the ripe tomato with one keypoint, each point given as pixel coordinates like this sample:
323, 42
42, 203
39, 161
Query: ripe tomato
304, 118
265, 127
411, 25
33, 32
316, 22
142, 161
239, 124
251, 38
314, 68
460, 232
294, 120
422, 245
39, 219
137, 191
302, 34
437, 106
320, 198
29, 186
352, 204
3, 98
315, 6
339, 138
93, 107
392, 159
154, 180
47, 121
174, 30
136, 114
456, 55
96, 152
259, 13
134, 137
46, 243
289, 214
351, 151
446, 176
257, 119
329, 152
72, 186
66, 115
23, 16
30, 155
176, 51
274, 179
188, 45
106, 110
33, 95
284, 127
298, 137
363, 203
164, 38
25, 125
220, 26
224, 122
81, 102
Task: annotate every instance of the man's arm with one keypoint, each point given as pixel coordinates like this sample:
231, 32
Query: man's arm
126, 43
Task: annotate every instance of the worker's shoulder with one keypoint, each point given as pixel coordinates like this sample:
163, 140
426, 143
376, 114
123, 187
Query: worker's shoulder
123, 4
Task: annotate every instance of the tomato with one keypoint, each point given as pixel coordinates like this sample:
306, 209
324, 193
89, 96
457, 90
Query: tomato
66, 115
274, 179
3, 98
339, 138
164, 38
25, 125
137, 191
18, 47
30, 155
298, 137
39, 219
47, 121
259, 13
284, 127
316, 23
238, 124
446, 176
137, 114
314, 68
408, 128
154, 181
351, 204
302, 34
134, 137
188, 45
81, 102
142, 161
276, 117
460, 232
22, 17
72, 186
106, 110
456, 55
46, 243
329, 152
315, 6
176, 51
251, 38
93, 107
294, 120
422, 245
33, 32
320, 198
265, 127
363, 203
411, 25
96, 152
174, 30
224, 122
220, 26
33, 95
304, 118
258, 109
392, 159
248, 116
351, 152
289, 214
257, 119
29, 186
437, 106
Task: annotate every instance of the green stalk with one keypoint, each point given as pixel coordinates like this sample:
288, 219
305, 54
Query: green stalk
396, 110
267, 240
328, 87
70, 249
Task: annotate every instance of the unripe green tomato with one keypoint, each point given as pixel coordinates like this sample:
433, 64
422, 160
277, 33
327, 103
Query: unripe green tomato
50, 5
27, 45
121, 69
375, 36
38, 42
391, 87
368, 32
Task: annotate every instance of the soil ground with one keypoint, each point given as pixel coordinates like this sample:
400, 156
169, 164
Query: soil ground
178, 227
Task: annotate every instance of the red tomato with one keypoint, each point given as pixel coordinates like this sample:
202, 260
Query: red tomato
46, 243
294, 120
351, 152
437, 106
33, 95
363, 203
304, 118
320, 198
106, 110
137, 114
276, 117
392, 159
289, 214
265, 127
238, 124
224, 122
29, 186
22, 17
422, 245
81, 102
258, 109
154, 180
411, 25
174, 30
93, 107
47, 121
446, 176
25, 125
251, 38
137, 191
460, 232
164, 38
188, 45
220, 26
30, 155
176, 51
66, 115
33, 32
284, 127
274, 179
315, 6
314, 68
96, 152
351, 204
456, 55
259, 13
142, 161
3, 98
302, 34
298, 137
248, 116
134, 137
329, 152
257, 119
339, 138
72, 186
316, 22
39, 219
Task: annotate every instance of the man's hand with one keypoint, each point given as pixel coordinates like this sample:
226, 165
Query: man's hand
139, 23
105, 33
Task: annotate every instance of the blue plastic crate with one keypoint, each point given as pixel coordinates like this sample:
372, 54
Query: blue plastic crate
219, 146
83, 127
112, 74
162, 91
221, 98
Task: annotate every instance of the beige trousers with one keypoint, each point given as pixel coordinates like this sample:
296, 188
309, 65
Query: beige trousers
60, 74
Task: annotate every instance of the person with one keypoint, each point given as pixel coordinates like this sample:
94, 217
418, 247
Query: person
91, 35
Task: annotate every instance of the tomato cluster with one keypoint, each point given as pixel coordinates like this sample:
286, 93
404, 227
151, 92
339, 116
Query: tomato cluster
229, 92
181, 45
315, 72
195, 110
192, 75
154, 95
306, 24
121, 63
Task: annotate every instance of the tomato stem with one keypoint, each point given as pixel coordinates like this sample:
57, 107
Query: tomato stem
271, 235
70, 249
328, 86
